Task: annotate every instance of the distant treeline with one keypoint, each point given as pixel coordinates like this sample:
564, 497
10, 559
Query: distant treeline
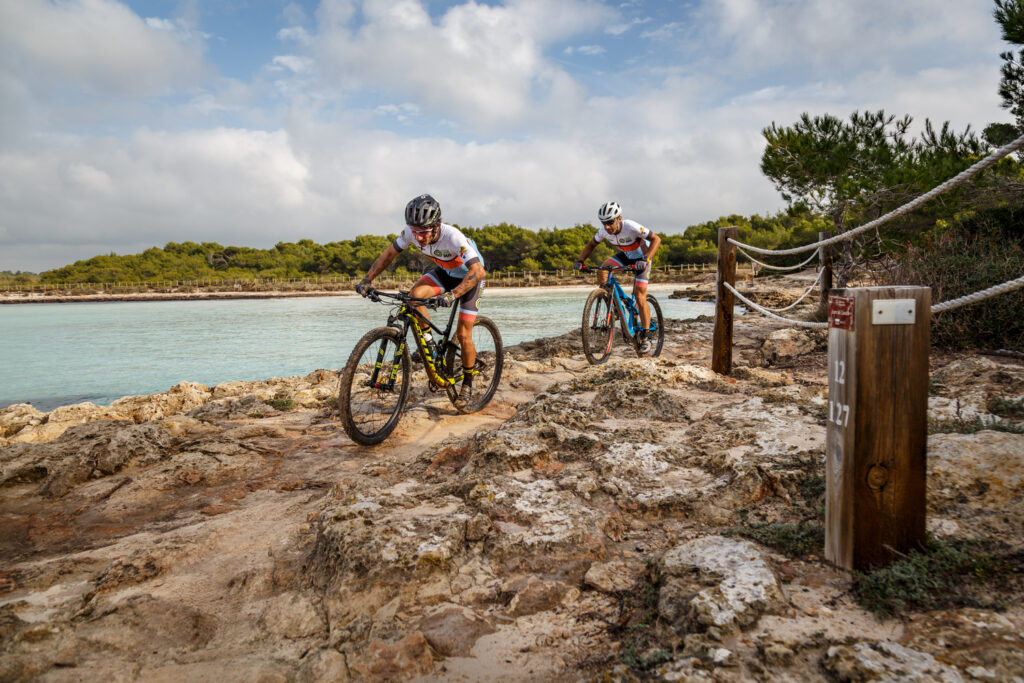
504, 247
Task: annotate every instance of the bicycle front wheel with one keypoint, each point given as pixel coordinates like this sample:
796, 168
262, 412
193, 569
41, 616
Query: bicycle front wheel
374, 386
598, 326
490, 359
657, 326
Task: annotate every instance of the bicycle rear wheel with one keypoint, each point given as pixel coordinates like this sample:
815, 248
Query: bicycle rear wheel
657, 326
374, 386
598, 326
490, 359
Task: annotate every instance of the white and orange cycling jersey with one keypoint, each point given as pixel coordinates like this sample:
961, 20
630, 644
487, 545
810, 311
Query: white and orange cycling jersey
452, 250
631, 238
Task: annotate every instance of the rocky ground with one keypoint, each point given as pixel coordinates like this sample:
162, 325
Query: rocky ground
582, 527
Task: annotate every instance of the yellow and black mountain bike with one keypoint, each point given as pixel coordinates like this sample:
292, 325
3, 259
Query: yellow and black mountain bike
376, 380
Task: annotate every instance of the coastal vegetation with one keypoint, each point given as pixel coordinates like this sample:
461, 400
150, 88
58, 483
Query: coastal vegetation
505, 247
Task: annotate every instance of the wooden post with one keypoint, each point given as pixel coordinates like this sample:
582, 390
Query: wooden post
825, 286
721, 351
877, 430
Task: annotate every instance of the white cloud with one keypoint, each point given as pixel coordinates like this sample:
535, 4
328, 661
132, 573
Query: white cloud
483, 63
589, 50
293, 63
296, 34
838, 34
487, 120
95, 44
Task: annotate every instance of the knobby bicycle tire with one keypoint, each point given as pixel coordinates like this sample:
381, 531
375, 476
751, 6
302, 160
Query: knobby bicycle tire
624, 325
657, 318
490, 352
370, 413
598, 330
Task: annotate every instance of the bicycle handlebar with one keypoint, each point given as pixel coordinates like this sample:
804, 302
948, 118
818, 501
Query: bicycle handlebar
591, 269
376, 296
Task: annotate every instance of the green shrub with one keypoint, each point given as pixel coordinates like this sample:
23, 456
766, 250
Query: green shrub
282, 404
1007, 407
944, 575
792, 540
986, 251
959, 425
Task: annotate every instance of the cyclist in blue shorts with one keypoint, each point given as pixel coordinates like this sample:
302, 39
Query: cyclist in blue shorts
636, 245
459, 274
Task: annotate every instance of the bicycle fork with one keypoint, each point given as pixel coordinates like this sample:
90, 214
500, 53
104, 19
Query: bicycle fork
609, 320
389, 383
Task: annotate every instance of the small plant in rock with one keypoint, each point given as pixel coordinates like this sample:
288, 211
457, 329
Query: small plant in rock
638, 621
812, 487
792, 540
959, 425
282, 404
1007, 407
944, 575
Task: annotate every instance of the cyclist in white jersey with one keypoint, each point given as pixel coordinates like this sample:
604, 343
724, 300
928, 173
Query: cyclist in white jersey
636, 245
459, 274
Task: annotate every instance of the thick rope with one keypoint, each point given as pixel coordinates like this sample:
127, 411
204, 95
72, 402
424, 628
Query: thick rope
802, 296
771, 267
906, 208
765, 311
1007, 286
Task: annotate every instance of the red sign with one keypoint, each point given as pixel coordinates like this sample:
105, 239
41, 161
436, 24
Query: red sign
840, 312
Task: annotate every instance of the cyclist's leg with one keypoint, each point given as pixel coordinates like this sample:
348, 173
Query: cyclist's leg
640, 295
468, 310
619, 260
431, 284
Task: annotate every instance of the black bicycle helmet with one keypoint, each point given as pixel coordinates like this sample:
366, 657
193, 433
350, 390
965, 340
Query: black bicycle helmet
422, 212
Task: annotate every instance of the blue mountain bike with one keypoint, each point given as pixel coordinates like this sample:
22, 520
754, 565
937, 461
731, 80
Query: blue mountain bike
604, 306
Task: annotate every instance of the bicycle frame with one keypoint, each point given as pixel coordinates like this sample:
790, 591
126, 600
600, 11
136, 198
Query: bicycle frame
404, 318
625, 306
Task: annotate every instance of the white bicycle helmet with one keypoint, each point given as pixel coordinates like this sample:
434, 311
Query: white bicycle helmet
609, 211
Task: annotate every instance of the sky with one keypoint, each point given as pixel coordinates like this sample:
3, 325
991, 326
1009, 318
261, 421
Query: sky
126, 125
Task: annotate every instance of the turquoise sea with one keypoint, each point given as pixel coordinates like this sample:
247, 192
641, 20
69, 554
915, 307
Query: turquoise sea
57, 354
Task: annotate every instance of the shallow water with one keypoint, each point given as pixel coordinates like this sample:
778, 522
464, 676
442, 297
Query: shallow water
57, 354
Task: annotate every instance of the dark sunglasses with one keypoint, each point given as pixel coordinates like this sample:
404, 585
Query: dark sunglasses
611, 222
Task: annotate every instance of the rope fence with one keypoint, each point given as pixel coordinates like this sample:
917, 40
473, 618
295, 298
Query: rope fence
906, 208
978, 167
771, 267
770, 314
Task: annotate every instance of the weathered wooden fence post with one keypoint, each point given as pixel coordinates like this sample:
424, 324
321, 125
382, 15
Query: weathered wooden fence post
877, 430
721, 350
825, 286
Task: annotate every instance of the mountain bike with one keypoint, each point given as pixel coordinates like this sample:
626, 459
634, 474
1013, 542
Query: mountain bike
604, 306
375, 383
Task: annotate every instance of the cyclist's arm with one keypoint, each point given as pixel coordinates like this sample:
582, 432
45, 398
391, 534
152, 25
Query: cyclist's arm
655, 242
474, 277
382, 262
591, 245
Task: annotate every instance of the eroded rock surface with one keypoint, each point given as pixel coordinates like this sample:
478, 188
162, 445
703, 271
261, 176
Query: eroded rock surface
583, 526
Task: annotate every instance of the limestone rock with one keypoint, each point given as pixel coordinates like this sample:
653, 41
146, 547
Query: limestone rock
885, 661
82, 452
18, 416
610, 577
399, 661
787, 343
742, 586
292, 615
181, 398
452, 631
